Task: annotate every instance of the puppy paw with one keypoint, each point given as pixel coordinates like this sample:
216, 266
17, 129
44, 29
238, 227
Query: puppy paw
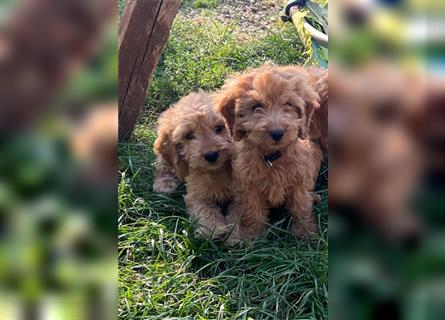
233, 239
304, 230
165, 185
232, 236
252, 232
218, 232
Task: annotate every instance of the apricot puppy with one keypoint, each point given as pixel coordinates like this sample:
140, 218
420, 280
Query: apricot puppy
194, 146
268, 111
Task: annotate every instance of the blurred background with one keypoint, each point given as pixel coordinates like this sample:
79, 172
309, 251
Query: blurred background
58, 151
387, 156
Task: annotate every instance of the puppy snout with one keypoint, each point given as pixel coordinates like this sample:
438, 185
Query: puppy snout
276, 134
211, 156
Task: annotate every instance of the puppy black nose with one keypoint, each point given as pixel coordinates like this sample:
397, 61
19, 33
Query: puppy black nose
276, 134
211, 156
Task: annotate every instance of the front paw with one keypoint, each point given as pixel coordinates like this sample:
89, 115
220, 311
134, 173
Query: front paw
253, 231
214, 228
304, 229
233, 237
165, 185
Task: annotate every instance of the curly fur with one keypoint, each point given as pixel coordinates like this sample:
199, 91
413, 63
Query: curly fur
188, 131
253, 104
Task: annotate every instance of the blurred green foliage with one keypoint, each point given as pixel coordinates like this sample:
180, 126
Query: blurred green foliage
58, 225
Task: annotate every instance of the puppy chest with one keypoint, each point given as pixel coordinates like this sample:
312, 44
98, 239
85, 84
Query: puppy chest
211, 190
275, 186
275, 195
272, 183
219, 195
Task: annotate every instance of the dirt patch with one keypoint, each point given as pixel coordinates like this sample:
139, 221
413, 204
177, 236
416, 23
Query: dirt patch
253, 19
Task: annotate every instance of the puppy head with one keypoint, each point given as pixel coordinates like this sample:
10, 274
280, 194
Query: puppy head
270, 107
362, 116
192, 136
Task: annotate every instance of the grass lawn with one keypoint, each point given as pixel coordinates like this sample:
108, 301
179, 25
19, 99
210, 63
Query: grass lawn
164, 271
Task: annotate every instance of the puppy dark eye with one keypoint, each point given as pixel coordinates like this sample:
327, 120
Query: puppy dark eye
219, 128
190, 136
256, 107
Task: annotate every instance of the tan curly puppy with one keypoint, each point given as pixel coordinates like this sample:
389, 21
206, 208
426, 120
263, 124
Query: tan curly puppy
194, 146
268, 111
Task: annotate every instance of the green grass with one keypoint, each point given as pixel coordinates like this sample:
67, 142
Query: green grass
205, 3
202, 54
164, 271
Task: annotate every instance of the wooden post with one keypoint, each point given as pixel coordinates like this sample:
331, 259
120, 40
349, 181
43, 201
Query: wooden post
143, 34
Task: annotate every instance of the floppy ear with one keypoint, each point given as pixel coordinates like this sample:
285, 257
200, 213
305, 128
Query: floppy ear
225, 104
227, 97
170, 152
312, 104
180, 165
